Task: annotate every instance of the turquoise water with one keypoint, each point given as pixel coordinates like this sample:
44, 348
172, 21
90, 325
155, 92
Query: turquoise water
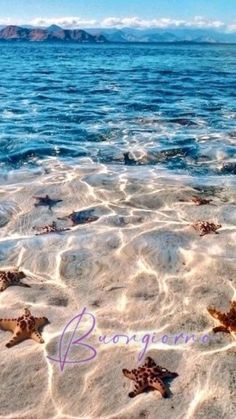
169, 105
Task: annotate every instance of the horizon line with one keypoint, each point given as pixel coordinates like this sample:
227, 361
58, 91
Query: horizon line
133, 22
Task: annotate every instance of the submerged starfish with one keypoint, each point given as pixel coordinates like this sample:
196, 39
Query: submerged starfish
227, 320
200, 201
81, 217
51, 228
149, 376
24, 327
46, 201
8, 278
129, 161
205, 227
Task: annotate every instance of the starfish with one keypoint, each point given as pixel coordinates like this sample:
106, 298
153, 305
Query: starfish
51, 228
200, 201
149, 376
205, 227
8, 278
24, 327
227, 320
46, 201
129, 161
81, 217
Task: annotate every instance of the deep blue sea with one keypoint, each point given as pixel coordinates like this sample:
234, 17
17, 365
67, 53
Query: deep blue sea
170, 105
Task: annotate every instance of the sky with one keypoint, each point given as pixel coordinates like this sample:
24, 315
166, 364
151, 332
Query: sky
218, 14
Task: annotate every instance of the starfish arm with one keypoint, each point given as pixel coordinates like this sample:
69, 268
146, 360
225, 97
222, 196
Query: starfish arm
232, 311
149, 363
221, 329
157, 384
93, 218
17, 337
22, 284
27, 312
164, 373
138, 389
233, 305
8, 324
40, 233
41, 321
3, 286
129, 374
216, 314
37, 337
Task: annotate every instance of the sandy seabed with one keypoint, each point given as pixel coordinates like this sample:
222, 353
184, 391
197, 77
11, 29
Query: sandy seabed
140, 268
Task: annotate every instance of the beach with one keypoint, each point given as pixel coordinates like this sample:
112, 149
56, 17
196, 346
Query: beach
141, 267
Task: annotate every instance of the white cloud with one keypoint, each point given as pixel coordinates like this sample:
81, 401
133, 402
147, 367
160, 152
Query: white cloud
7, 21
64, 22
132, 21
135, 22
201, 22
232, 27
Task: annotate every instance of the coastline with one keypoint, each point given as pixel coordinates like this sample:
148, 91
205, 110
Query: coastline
140, 267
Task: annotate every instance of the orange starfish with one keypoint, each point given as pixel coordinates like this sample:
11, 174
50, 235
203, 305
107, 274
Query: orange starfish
200, 201
149, 376
24, 327
9, 278
205, 227
227, 320
51, 228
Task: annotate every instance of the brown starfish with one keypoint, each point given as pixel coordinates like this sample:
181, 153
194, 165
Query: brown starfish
149, 376
227, 320
8, 278
46, 201
51, 228
24, 327
205, 227
200, 201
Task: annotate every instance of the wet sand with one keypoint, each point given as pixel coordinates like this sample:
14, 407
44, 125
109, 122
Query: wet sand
140, 268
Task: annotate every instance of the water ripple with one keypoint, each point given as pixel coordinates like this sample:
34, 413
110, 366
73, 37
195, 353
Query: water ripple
172, 105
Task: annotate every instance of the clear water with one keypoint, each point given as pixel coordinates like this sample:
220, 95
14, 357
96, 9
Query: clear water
168, 105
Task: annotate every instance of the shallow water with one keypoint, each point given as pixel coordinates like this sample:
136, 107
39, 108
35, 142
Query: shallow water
171, 105
67, 116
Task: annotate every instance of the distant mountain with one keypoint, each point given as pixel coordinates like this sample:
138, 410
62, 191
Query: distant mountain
160, 35
116, 36
138, 35
14, 32
55, 33
52, 34
53, 28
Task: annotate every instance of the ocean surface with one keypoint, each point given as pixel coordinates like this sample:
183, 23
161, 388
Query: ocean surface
130, 135
168, 105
